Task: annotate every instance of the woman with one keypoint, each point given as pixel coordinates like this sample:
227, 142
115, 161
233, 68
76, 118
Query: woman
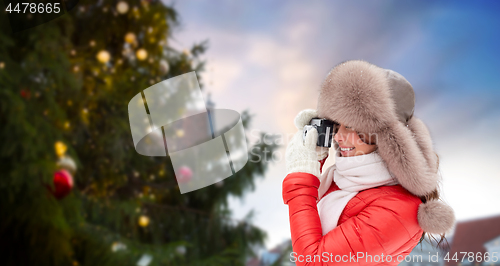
374, 205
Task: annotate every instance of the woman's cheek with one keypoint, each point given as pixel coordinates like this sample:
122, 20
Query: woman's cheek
352, 138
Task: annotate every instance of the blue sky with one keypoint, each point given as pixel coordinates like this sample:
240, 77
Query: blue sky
271, 56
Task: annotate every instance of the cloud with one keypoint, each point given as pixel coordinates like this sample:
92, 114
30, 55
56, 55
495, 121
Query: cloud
223, 72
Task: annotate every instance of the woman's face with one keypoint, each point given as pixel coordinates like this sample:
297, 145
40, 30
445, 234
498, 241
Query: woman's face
350, 144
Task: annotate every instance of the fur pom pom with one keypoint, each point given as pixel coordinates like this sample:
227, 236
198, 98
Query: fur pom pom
435, 217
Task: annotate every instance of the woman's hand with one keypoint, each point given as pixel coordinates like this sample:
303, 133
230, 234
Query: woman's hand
301, 155
302, 119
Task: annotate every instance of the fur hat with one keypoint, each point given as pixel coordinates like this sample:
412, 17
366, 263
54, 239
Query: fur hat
379, 101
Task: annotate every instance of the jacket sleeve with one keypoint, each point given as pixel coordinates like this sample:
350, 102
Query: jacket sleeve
370, 232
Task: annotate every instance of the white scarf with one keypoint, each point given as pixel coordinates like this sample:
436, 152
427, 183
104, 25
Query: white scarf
351, 174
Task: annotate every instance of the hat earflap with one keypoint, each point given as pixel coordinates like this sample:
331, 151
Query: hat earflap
423, 138
404, 159
434, 216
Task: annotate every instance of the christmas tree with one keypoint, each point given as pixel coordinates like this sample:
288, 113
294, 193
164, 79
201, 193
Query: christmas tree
73, 191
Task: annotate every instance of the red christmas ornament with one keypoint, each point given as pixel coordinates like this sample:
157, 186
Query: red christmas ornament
25, 94
184, 174
63, 183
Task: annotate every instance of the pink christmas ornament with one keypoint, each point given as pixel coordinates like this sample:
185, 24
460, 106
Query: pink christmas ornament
184, 174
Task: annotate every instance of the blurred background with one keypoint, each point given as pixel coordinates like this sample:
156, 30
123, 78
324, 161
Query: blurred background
73, 191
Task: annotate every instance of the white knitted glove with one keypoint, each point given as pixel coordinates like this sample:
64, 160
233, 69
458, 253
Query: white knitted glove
301, 155
302, 119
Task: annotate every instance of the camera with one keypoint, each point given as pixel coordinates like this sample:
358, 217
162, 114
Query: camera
325, 129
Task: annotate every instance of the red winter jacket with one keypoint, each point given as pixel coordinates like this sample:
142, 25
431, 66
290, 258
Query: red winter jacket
377, 225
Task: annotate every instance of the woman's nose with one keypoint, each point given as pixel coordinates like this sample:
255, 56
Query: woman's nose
339, 136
